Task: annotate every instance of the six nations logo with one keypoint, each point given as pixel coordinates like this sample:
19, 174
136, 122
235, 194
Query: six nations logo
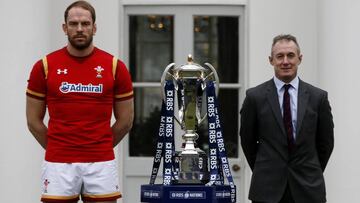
66, 87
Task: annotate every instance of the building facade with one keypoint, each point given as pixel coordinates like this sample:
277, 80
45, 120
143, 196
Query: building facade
233, 35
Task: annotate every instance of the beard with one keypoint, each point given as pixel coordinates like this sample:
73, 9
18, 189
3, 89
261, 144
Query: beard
80, 45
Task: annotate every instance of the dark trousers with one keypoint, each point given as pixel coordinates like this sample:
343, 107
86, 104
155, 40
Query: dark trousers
286, 198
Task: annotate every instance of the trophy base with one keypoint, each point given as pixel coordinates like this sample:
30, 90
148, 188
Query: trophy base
190, 178
193, 168
185, 193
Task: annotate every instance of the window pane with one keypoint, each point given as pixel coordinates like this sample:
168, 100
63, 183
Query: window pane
151, 50
151, 46
143, 135
216, 41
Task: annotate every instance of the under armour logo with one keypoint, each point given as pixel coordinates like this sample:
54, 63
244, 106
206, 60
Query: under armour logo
60, 71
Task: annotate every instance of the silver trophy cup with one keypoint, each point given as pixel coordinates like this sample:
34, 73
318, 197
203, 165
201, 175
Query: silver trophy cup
190, 82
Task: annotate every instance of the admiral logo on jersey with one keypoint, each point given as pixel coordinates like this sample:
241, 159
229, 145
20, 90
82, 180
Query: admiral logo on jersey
66, 87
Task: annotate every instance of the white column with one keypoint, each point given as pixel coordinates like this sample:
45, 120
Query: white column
339, 70
24, 39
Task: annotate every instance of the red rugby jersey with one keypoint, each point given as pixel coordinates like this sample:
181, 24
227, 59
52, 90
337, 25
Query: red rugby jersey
79, 93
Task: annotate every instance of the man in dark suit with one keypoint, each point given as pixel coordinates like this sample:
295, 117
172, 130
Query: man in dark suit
286, 132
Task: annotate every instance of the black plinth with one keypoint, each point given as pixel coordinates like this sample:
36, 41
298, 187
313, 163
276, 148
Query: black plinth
158, 193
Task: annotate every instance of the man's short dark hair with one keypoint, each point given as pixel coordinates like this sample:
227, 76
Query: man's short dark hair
82, 4
287, 37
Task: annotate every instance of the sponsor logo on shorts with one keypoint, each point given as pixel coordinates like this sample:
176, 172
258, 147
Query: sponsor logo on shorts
66, 87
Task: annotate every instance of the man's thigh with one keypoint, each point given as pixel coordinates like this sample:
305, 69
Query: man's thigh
286, 198
100, 182
60, 182
96, 182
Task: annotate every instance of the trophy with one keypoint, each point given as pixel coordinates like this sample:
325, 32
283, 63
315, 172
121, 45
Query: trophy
190, 82
189, 96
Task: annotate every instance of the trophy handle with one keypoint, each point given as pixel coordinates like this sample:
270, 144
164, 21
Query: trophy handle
217, 84
163, 78
216, 77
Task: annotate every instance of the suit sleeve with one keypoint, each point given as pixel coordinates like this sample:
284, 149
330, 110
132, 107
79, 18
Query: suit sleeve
325, 134
248, 130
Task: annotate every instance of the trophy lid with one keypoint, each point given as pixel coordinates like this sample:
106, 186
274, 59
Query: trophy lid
190, 69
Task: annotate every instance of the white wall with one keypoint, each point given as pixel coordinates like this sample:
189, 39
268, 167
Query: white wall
268, 18
21, 43
339, 70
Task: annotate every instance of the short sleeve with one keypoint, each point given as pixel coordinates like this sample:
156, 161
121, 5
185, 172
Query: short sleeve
37, 82
123, 83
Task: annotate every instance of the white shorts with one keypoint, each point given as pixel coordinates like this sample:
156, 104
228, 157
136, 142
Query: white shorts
65, 182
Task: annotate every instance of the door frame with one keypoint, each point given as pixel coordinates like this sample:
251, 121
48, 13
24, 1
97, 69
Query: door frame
138, 7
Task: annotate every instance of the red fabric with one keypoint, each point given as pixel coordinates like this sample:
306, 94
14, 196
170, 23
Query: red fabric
100, 199
59, 200
80, 101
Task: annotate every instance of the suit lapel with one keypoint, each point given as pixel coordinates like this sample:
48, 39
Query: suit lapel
303, 98
273, 100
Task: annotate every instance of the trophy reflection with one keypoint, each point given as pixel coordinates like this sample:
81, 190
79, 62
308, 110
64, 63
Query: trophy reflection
190, 82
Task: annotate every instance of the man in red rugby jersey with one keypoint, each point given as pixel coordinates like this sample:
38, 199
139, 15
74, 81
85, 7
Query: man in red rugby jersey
80, 85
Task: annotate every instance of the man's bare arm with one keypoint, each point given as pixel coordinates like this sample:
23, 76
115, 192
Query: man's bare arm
124, 115
35, 112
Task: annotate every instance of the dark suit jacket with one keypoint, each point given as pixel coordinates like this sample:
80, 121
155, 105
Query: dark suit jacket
264, 143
